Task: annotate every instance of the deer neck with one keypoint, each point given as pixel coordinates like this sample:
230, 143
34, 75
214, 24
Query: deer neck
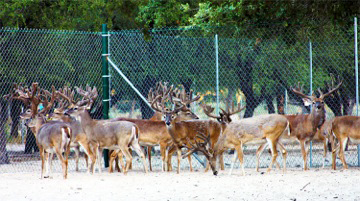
317, 118
85, 119
172, 131
39, 121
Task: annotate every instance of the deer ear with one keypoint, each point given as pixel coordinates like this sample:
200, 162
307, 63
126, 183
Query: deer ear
307, 101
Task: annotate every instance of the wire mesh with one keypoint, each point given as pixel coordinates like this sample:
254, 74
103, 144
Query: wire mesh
257, 67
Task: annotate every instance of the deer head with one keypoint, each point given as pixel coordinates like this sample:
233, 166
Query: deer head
225, 115
316, 103
180, 95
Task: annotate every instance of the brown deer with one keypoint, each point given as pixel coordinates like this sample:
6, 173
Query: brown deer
117, 135
303, 127
344, 128
255, 131
53, 136
154, 132
184, 131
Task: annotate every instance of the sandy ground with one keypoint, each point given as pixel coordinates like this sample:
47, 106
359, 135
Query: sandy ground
316, 184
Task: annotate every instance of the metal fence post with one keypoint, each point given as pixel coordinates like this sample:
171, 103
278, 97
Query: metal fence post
217, 72
357, 79
105, 83
311, 89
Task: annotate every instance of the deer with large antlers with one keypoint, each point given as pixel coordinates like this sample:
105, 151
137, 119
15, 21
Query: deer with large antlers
154, 132
50, 136
257, 130
117, 135
184, 131
304, 126
66, 99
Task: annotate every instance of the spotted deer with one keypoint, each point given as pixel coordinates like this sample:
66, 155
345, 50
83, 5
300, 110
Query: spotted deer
257, 130
183, 132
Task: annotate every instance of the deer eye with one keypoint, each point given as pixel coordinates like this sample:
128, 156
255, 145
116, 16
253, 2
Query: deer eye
314, 102
172, 116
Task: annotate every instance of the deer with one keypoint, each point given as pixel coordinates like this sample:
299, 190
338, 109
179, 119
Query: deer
257, 130
53, 136
344, 128
183, 131
113, 135
154, 132
65, 97
303, 127
224, 118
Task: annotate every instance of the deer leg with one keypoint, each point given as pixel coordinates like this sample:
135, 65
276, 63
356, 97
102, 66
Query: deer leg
61, 158
304, 154
163, 157
47, 164
284, 154
77, 154
135, 145
50, 163
325, 141
113, 154
333, 151
221, 161
121, 160
42, 161
88, 153
233, 161
169, 155
99, 151
178, 151
189, 159
67, 153
343, 143
258, 154
130, 151
149, 156
241, 158
128, 158
274, 152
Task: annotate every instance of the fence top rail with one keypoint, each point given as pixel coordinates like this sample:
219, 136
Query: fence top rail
45, 31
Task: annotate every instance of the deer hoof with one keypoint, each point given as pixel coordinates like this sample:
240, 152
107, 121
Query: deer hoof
215, 173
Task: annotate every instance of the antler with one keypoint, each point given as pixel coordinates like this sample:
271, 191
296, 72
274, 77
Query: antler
299, 91
233, 111
332, 89
48, 105
208, 110
198, 146
161, 94
68, 95
89, 95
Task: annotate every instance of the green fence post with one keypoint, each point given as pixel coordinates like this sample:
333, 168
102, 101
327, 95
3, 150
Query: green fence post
105, 83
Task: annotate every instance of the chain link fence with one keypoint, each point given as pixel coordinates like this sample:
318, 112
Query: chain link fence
253, 66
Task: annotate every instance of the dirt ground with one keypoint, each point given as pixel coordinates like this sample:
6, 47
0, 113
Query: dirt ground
316, 184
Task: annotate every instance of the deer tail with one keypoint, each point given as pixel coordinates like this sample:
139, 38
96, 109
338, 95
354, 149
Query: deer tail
288, 128
66, 131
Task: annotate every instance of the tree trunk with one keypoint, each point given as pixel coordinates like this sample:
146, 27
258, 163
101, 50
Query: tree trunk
15, 111
280, 100
269, 104
146, 111
30, 144
4, 158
